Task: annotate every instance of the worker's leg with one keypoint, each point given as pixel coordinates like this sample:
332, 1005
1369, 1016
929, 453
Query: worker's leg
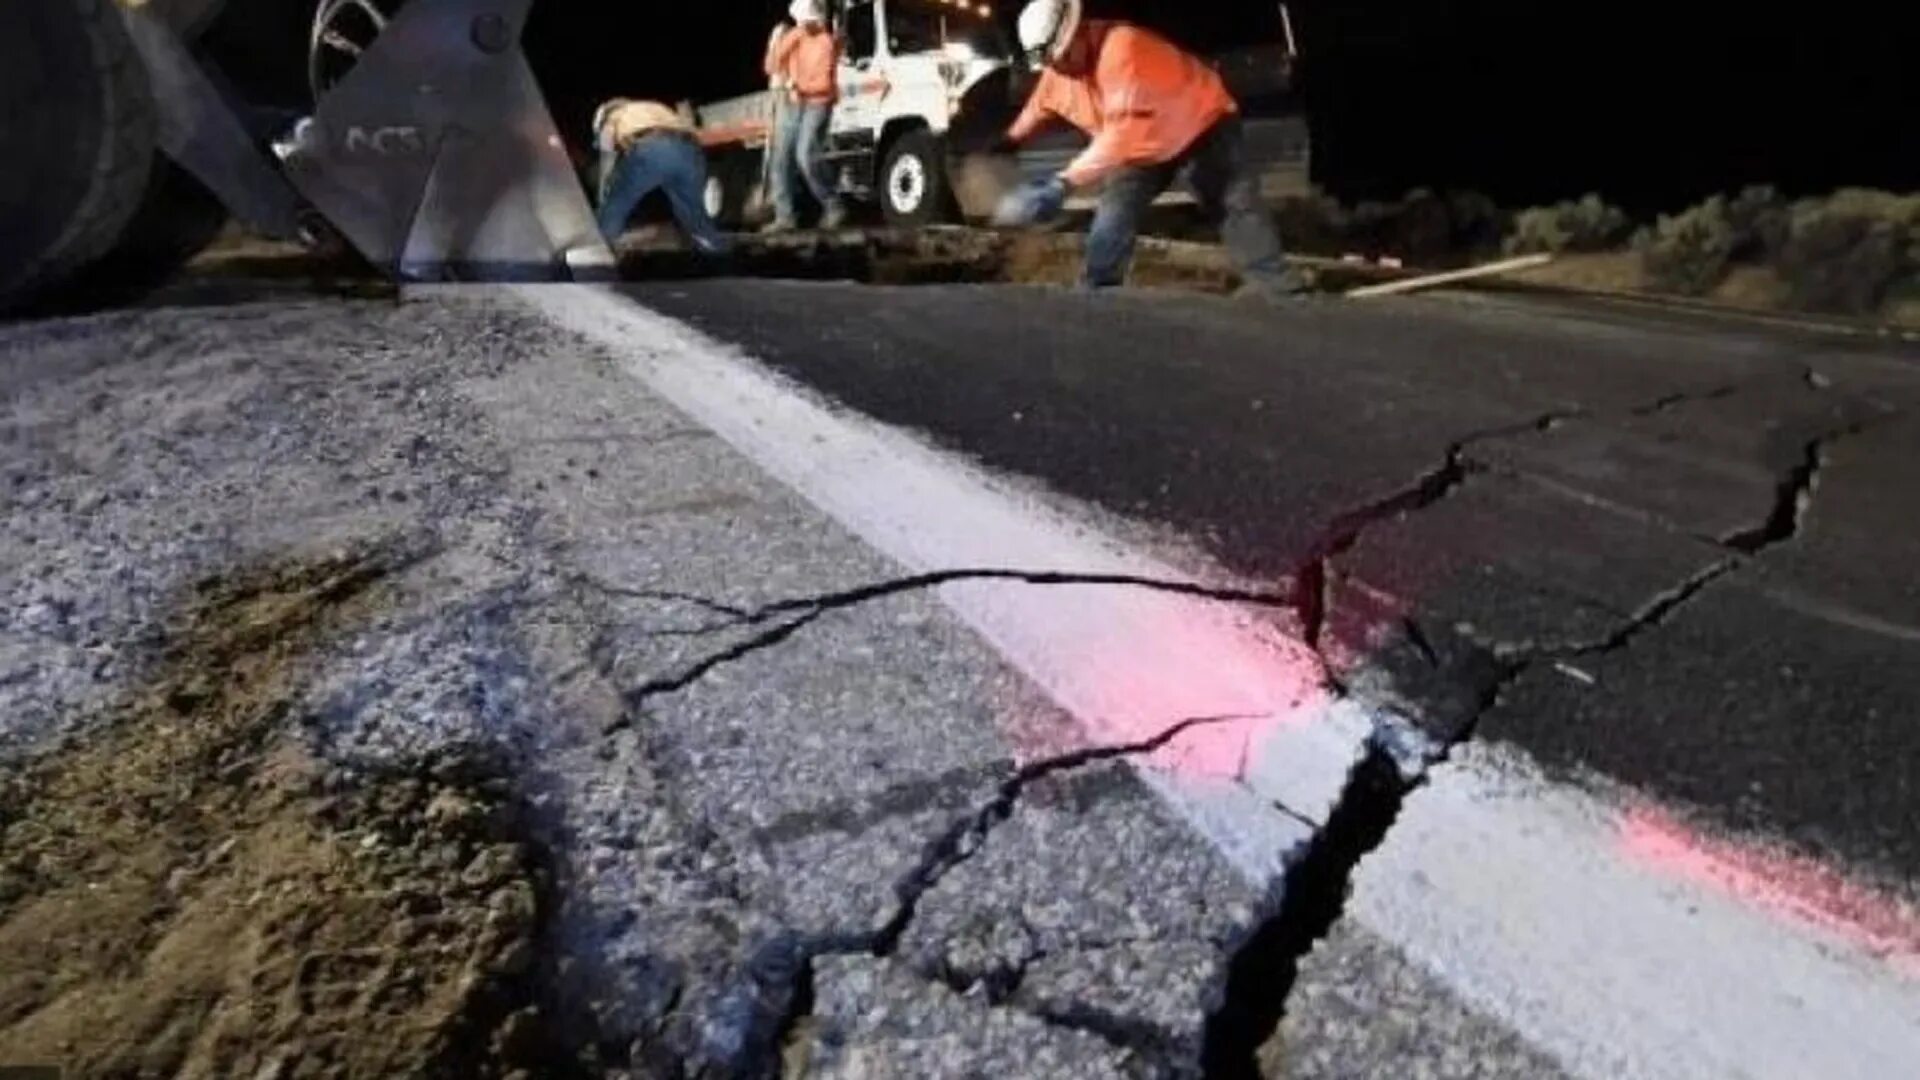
684, 167
602, 173
1116, 223
634, 175
780, 166
1229, 192
812, 159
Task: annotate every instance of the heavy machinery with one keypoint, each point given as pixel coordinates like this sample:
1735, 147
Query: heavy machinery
429, 148
424, 142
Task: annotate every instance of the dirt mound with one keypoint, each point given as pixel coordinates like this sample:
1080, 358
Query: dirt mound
188, 892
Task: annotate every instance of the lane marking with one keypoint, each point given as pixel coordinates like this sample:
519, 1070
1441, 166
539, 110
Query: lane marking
1531, 899
1125, 662
1619, 946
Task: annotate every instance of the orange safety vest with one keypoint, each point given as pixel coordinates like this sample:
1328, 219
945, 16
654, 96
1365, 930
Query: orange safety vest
1145, 103
808, 63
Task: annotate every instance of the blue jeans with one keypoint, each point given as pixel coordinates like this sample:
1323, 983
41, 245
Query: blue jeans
800, 146
1229, 193
675, 165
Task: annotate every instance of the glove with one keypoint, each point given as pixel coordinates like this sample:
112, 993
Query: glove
1033, 203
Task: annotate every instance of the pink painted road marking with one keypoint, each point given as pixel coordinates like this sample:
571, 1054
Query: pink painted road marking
1787, 885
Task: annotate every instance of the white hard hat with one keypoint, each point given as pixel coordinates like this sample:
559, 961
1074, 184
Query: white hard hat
1046, 26
807, 11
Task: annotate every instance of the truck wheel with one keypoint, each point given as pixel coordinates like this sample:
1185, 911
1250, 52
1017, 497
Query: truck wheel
914, 187
731, 179
77, 140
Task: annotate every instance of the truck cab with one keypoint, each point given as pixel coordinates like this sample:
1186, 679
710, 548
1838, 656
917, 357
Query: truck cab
890, 148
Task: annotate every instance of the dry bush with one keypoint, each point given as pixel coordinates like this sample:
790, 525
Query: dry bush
1314, 223
1424, 227
1478, 222
1845, 253
1587, 224
1761, 219
1688, 252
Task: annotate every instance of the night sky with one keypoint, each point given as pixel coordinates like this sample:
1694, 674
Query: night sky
1654, 105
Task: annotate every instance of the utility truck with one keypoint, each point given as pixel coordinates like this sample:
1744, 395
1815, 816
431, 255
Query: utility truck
955, 82
422, 139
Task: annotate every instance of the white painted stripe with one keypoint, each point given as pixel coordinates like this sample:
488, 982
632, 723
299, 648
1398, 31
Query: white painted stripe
1527, 897
1521, 895
1125, 662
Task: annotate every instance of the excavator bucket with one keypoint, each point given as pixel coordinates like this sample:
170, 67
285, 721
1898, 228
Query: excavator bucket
436, 157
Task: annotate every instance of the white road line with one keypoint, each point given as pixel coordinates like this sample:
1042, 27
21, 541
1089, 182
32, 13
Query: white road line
1624, 953
1531, 899
1126, 663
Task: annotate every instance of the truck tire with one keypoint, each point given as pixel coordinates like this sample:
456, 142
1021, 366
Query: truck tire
732, 180
914, 187
77, 141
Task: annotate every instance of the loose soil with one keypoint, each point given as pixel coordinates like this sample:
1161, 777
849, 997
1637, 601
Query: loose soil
189, 891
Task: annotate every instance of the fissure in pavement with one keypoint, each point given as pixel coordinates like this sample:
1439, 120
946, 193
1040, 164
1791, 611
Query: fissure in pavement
1314, 893
1793, 496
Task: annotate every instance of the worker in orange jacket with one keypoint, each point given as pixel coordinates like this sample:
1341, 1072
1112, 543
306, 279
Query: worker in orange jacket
803, 64
1152, 110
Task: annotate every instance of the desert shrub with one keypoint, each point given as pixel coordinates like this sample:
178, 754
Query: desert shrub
1761, 220
1315, 222
1422, 231
1478, 222
1587, 224
1844, 253
1688, 252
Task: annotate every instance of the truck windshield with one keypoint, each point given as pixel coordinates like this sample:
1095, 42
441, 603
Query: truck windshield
857, 26
961, 29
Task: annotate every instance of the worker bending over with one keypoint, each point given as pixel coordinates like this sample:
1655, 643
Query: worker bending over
803, 64
645, 146
1151, 109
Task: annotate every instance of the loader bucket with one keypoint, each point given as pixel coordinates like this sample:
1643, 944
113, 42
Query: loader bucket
437, 158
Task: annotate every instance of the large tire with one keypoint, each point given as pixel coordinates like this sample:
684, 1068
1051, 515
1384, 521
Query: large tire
76, 137
914, 187
733, 181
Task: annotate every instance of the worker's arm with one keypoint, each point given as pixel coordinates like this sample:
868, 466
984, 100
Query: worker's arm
1126, 118
1036, 112
780, 50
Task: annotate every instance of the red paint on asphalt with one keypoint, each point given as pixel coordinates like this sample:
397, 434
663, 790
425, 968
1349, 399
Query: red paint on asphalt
1135, 664
1786, 885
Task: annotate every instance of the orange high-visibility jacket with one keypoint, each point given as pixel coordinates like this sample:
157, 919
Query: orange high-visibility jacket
1145, 103
808, 63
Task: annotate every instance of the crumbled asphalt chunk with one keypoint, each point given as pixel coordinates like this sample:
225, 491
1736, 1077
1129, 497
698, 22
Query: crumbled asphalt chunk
1088, 904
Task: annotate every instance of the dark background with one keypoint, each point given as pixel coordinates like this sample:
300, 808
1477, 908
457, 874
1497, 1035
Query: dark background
1653, 105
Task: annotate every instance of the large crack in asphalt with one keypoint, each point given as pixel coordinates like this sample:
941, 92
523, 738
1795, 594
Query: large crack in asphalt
1793, 496
775, 622
1311, 894
784, 968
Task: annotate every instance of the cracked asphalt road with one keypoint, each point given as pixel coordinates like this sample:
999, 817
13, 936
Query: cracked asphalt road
805, 820
1686, 515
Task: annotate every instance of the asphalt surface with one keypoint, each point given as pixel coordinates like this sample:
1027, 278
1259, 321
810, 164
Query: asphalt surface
806, 857
1664, 551
1670, 558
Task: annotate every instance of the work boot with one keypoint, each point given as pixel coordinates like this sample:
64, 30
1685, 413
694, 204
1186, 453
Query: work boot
777, 226
835, 217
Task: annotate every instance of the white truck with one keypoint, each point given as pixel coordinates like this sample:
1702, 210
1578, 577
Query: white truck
954, 85
940, 59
